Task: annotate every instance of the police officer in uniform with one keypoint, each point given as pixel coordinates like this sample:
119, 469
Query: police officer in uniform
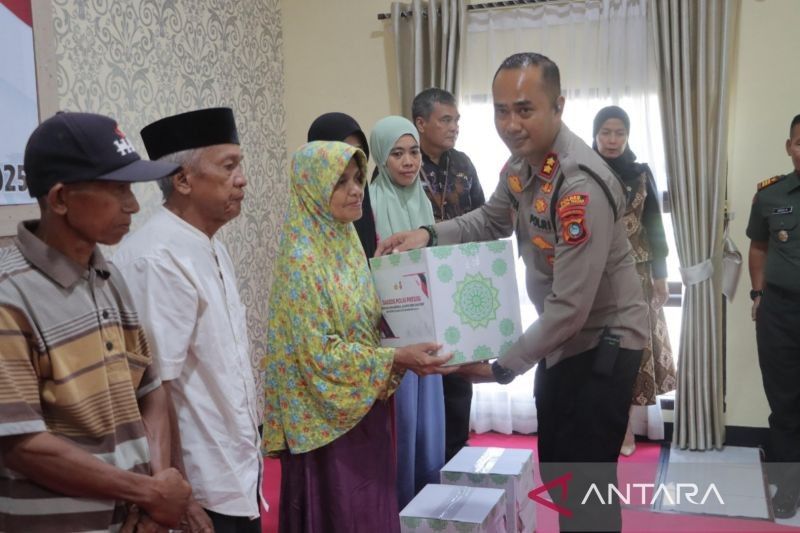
565, 205
775, 275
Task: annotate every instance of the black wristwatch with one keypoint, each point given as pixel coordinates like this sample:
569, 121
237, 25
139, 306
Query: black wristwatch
502, 375
756, 293
433, 239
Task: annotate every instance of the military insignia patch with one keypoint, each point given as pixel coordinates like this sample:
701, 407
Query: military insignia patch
769, 181
539, 242
550, 166
540, 205
547, 187
514, 183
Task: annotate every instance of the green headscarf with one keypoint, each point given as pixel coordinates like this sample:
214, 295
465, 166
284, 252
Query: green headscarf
396, 208
324, 367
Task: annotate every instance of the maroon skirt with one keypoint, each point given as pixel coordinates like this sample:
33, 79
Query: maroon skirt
345, 486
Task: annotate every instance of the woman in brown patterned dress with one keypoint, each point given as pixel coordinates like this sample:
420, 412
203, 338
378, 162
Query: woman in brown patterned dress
646, 234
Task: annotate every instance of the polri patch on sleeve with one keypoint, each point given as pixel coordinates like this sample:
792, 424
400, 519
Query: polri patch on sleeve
573, 229
514, 183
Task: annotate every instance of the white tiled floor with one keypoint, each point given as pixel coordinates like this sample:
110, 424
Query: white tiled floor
735, 473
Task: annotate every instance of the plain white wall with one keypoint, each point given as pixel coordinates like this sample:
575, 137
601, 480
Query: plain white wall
765, 85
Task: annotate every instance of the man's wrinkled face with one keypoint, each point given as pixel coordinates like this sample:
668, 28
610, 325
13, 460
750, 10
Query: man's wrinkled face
440, 130
217, 183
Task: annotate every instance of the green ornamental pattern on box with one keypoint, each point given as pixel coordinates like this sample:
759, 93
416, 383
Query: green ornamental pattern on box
497, 468
439, 508
462, 296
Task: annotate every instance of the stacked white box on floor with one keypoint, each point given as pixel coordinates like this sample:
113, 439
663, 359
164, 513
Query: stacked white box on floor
503, 468
455, 509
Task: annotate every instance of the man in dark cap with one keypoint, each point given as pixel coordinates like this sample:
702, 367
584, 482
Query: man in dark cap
185, 289
83, 428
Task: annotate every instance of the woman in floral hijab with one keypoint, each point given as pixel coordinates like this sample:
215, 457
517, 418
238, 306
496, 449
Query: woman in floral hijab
326, 377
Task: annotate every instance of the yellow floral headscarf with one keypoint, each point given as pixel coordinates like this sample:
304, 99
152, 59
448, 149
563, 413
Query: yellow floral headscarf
324, 366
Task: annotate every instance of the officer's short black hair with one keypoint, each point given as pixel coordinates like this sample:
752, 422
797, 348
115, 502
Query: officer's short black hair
425, 100
551, 77
795, 122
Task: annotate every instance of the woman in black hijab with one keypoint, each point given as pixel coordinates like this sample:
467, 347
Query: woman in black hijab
344, 128
646, 234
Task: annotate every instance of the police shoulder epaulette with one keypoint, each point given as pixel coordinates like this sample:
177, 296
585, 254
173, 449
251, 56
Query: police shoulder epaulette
769, 181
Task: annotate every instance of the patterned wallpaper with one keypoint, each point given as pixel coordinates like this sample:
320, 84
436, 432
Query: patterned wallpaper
140, 60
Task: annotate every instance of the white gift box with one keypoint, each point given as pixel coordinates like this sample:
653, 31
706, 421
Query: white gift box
454, 509
462, 296
500, 468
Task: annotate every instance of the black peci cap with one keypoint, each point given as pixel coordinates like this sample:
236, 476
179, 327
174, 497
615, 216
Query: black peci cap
195, 129
74, 147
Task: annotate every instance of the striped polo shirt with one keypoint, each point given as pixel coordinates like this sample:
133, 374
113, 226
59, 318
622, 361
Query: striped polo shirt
73, 361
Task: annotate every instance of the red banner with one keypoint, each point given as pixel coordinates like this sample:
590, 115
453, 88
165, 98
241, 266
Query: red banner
20, 8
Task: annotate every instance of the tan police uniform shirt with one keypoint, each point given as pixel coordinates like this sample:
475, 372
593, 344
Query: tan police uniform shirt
580, 273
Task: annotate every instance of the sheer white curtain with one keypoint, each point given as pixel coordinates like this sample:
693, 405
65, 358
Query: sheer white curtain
605, 57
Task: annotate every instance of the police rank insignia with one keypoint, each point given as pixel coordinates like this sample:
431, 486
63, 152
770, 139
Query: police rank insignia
540, 205
550, 166
514, 183
547, 187
783, 235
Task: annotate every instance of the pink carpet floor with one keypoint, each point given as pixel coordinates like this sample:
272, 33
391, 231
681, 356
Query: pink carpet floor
641, 467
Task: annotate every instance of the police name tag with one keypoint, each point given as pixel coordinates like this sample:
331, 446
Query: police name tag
782, 210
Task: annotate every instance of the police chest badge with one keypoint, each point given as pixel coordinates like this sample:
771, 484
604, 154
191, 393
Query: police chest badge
783, 235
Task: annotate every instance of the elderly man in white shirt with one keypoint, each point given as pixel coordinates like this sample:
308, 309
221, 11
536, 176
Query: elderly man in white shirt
184, 287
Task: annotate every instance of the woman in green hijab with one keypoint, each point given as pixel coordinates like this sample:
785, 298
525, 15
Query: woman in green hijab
400, 204
327, 379
398, 200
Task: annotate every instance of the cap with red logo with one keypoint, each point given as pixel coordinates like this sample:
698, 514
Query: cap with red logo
74, 147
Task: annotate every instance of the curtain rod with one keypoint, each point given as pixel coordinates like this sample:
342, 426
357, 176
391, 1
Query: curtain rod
473, 7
